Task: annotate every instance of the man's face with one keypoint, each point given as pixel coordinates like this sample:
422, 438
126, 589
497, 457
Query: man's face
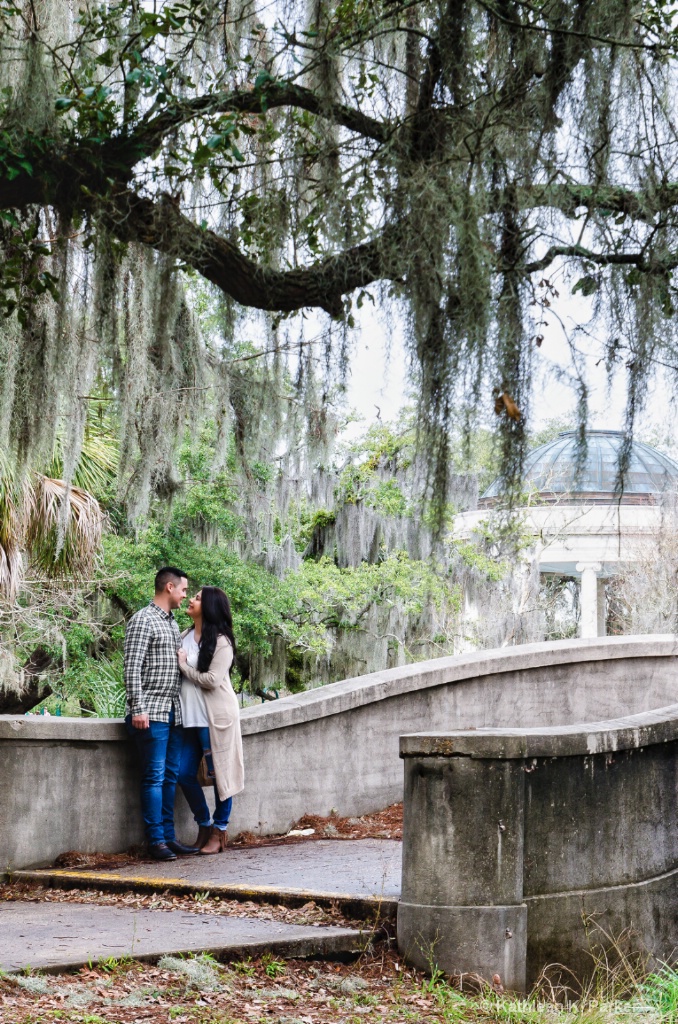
177, 592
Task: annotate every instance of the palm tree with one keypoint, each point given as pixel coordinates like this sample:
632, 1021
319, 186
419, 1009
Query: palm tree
43, 521
57, 529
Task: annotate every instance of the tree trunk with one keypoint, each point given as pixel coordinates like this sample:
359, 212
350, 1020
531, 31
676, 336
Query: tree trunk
18, 702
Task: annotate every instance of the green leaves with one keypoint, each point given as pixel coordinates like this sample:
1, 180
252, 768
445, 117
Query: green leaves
587, 285
23, 275
320, 596
222, 143
262, 79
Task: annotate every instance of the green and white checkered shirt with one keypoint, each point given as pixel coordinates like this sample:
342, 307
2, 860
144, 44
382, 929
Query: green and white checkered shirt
152, 676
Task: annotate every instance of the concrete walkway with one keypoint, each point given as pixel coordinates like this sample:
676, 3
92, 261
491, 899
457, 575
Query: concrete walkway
57, 937
358, 874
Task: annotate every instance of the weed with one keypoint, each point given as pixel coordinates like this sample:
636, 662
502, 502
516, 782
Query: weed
113, 964
365, 999
34, 983
244, 967
273, 968
512, 1010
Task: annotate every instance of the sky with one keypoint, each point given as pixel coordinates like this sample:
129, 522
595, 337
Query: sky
378, 382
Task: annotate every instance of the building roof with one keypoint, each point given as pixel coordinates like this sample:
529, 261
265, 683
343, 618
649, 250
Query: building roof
551, 471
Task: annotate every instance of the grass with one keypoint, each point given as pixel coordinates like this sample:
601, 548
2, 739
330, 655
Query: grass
660, 992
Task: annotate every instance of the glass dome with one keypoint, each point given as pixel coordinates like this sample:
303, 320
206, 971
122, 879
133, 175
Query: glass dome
551, 471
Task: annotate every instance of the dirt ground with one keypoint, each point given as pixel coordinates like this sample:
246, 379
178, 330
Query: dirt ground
198, 990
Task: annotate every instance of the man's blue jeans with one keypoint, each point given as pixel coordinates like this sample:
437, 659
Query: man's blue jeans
159, 749
196, 742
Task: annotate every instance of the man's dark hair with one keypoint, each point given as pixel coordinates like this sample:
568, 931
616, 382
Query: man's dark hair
168, 574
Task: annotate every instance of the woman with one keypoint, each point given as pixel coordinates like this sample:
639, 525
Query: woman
209, 712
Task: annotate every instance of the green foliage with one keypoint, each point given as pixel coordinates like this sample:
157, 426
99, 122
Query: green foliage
502, 536
273, 968
384, 449
551, 429
322, 596
322, 518
130, 564
475, 558
25, 276
387, 497
98, 463
188, 121
309, 524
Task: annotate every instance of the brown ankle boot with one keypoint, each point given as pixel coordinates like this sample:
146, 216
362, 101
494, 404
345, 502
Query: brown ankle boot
204, 833
216, 843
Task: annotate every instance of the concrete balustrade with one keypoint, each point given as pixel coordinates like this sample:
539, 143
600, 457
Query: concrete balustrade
523, 846
70, 784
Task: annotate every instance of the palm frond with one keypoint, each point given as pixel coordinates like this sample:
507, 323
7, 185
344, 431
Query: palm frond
61, 542
99, 458
106, 693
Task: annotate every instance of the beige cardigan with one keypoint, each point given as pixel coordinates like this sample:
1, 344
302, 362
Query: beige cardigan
223, 716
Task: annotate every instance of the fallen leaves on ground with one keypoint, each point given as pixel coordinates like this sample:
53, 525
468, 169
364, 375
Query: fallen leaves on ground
386, 824
375, 989
200, 903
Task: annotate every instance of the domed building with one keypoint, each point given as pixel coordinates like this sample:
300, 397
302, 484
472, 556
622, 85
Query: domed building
585, 526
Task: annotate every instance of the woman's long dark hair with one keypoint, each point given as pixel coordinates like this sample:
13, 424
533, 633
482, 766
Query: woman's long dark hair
216, 621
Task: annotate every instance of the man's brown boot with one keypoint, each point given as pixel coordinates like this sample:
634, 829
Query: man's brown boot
204, 833
216, 843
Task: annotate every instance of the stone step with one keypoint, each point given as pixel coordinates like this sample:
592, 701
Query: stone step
57, 937
361, 877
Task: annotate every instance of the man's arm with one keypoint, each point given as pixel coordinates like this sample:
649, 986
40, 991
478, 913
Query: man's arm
138, 636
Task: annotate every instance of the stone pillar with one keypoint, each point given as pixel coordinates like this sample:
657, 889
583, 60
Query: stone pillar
462, 889
588, 598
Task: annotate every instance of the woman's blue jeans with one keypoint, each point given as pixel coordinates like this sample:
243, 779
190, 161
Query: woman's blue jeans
196, 742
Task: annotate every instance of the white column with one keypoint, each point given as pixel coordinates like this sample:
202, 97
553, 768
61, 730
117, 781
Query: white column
588, 598
602, 608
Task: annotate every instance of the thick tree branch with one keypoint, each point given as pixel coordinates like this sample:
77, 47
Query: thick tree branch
323, 284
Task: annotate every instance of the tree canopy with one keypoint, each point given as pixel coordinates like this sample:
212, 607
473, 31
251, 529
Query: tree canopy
443, 158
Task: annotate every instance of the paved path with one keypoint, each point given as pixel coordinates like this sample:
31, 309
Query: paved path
360, 867
351, 871
54, 936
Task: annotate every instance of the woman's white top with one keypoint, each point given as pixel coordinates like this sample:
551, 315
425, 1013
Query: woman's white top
193, 707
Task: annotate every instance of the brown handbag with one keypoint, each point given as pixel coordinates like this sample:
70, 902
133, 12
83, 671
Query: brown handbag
204, 773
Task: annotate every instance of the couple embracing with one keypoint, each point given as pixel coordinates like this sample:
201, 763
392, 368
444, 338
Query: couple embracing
182, 713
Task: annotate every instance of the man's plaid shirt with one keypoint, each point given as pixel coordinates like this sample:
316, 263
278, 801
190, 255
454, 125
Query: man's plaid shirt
152, 676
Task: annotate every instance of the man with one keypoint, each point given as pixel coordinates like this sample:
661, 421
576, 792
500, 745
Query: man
153, 682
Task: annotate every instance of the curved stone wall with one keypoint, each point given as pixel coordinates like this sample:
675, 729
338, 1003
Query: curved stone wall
524, 846
70, 783
338, 746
